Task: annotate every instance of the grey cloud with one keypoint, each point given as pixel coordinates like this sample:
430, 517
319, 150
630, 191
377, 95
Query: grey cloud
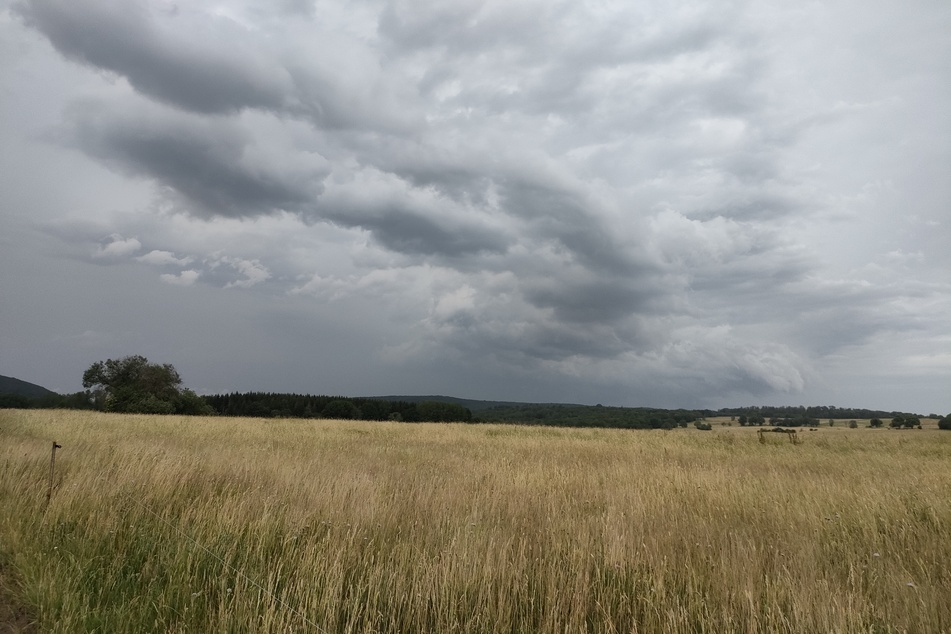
530, 340
560, 342
536, 32
461, 184
834, 316
567, 58
210, 164
558, 213
632, 199
410, 232
460, 26
212, 65
596, 301
306, 8
212, 168
549, 210
699, 360
742, 370
201, 71
158, 257
117, 247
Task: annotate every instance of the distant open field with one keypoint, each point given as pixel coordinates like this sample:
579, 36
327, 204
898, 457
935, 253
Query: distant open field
174, 524
839, 423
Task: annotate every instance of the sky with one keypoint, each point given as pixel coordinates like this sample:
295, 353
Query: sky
671, 204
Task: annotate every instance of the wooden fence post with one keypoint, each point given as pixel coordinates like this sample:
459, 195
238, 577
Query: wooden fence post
49, 492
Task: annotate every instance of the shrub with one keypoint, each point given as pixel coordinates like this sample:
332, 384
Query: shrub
853, 424
945, 423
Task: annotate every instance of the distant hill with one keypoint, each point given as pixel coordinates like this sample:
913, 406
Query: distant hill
10, 385
472, 405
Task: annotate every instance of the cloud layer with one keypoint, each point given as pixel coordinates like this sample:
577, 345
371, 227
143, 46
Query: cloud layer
663, 204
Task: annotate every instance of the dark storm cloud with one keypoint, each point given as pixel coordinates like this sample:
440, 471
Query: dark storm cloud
206, 72
213, 65
213, 167
484, 335
550, 210
210, 164
411, 232
594, 301
557, 342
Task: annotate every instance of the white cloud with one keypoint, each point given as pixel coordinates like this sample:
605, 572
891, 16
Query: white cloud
117, 247
185, 278
253, 271
157, 257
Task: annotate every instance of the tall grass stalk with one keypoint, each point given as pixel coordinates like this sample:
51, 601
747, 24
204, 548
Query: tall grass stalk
177, 524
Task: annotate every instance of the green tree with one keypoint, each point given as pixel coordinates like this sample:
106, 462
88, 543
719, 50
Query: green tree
945, 423
132, 384
875, 422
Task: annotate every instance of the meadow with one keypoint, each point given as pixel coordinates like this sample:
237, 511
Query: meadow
183, 524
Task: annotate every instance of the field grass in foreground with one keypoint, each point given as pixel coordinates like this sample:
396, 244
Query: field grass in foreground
172, 524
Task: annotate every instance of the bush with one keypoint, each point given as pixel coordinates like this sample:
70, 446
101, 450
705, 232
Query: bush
945, 423
853, 424
703, 426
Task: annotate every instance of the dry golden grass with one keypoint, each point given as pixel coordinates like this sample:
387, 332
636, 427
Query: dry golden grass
172, 524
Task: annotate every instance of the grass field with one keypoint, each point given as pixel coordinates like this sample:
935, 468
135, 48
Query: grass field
172, 524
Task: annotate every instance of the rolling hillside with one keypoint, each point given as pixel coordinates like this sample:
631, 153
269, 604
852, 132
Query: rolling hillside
10, 385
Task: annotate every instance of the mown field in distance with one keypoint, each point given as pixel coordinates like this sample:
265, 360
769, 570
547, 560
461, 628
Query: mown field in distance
175, 524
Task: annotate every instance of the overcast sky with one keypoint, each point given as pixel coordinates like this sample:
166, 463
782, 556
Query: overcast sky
666, 203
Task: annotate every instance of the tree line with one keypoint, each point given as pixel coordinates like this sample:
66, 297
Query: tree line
814, 413
278, 405
134, 385
555, 415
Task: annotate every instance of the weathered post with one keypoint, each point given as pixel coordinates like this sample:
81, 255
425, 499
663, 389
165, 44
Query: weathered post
49, 492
